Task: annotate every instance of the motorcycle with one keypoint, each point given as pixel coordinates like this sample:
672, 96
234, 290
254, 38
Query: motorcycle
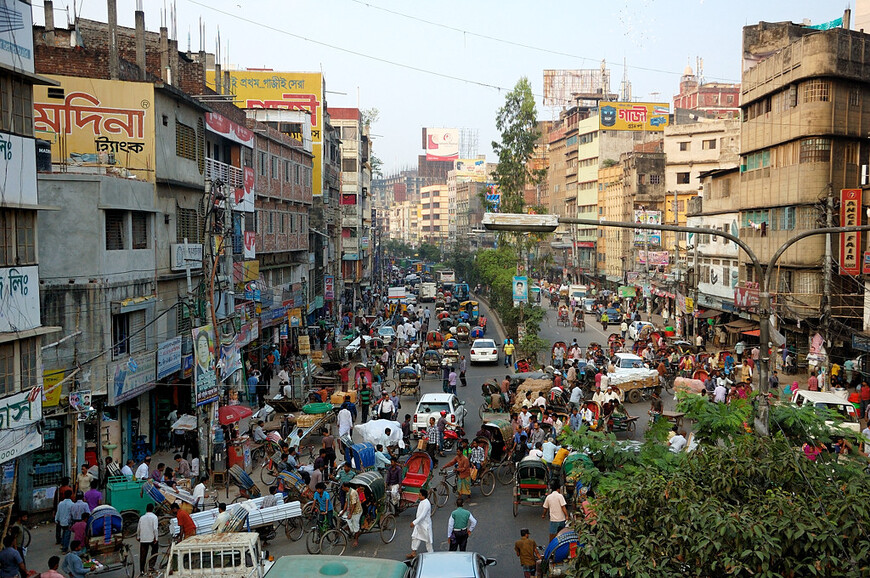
452, 435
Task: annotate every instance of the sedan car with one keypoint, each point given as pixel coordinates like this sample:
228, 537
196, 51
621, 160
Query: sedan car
483, 351
451, 564
387, 333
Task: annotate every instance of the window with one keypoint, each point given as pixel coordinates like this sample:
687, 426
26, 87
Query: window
726, 275
128, 333
17, 237
185, 141
287, 171
708, 145
16, 106
261, 163
275, 173
348, 165
655, 179
140, 229
7, 368
27, 349
855, 96
682, 178
298, 175
348, 133
816, 90
685, 146
815, 150
187, 226
787, 219
116, 234
271, 222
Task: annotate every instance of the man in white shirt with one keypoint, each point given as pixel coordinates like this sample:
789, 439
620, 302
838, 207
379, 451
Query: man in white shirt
400, 335
199, 493
720, 393
540, 401
385, 407
678, 442
576, 396
345, 422
599, 396
146, 533
525, 417
222, 519
144, 469
127, 470
549, 449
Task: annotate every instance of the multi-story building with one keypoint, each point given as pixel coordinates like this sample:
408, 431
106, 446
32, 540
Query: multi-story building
21, 328
435, 214
805, 121
716, 99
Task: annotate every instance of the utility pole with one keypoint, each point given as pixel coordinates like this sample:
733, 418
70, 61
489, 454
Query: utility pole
829, 270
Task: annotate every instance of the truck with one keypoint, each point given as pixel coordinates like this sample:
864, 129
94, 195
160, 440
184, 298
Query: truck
578, 292
428, 292
226, 555
396, 293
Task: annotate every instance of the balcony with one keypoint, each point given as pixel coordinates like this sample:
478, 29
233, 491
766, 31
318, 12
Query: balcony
231, 176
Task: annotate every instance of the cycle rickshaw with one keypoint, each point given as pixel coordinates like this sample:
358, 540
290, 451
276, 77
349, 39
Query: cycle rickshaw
105, 543
531, 484
375, 517
409, 382
463, 330
417, 472
431, 362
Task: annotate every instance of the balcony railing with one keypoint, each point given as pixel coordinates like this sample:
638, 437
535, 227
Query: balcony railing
231, 176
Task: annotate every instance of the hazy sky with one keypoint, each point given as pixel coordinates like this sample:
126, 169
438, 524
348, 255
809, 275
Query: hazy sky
657, 39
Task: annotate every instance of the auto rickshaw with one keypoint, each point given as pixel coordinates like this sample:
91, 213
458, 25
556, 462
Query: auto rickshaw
472, 308
463, 330
435, 340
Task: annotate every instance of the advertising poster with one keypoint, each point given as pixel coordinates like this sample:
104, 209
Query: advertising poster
850, 243
470, 170
521, 289
132, 377
205, 378
650, 237
302, 91
442, 144
633, 116
51, 381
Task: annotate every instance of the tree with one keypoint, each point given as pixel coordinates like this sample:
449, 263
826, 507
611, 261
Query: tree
517, 121
429, 253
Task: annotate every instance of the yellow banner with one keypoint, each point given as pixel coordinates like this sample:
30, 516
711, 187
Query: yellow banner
50, 381
633, 116
289, 90
98, 122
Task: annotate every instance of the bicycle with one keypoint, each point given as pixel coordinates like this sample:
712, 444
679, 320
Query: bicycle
317, 532
486, 482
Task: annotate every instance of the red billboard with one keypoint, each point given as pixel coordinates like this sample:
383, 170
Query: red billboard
850, 243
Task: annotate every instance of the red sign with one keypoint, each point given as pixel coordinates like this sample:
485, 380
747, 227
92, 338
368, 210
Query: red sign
223, 126
746, 297
584, 244
850, 243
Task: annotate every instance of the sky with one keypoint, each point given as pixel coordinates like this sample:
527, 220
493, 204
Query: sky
450, 63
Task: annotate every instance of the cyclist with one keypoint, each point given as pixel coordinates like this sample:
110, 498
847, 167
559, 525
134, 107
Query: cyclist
323, 501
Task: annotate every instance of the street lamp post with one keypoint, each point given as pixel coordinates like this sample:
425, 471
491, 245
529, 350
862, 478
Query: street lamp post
548, 223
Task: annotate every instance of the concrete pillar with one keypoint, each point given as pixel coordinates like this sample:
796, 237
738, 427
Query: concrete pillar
114, 64
140, 44
48, 7
164, 54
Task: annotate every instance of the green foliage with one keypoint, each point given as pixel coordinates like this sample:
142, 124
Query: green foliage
753, 507
609, 163
517, 123
715, 422
429, 253
461, 259
395, 248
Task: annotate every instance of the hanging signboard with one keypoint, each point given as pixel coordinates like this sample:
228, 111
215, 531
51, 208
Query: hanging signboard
850, 243
304, 345
20, 415
169, 357
204, 365
328, 287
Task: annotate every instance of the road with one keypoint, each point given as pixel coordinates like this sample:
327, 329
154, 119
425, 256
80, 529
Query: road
497, 529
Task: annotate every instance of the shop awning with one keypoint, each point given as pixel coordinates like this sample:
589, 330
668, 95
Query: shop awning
185, 423
233, 413
707, 314
753, 333
739, 325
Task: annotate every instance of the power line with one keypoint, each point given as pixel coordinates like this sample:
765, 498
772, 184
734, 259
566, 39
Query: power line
518, 44
350, 51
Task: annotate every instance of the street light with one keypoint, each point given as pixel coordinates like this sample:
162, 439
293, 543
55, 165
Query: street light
545, 223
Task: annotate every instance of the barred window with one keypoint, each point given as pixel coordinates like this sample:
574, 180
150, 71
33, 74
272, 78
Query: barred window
655, 179
348, 165
7, 368
27, 348
816, 91
182, 320
140, 229
115, 230
200, 145
185, 141
25, 237
855, 96
262, 170
275, 173
815, 150
187, 225
16, 105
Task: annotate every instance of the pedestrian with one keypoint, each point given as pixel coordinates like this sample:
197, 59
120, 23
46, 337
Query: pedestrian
441, 424
146, 533
445, 377
84, 480
144, 469
451, 380
221, 520
186, 526
72, 562
79, 530
345, 419
459, 527
365, 400
79, 507
463, 366
554, 503
433, 442
352, 511
385, 407
63, 518
52, 572
509, 353
527, 551
421, 527
59, 494
93, 496
463, 472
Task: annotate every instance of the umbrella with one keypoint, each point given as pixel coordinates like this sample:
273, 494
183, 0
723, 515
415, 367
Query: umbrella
232, 413
185, 422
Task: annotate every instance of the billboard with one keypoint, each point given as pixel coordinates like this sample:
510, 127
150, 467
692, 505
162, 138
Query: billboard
493, 197
633, 116
442, 144
561, 85
301, 91
16, 35
204, 374
521, 289
850, 243
132, 377
20, 424
100, 122
644, 237
469, 170
655, 257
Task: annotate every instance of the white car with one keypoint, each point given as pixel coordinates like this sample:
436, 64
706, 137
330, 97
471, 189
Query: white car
483, 351
354, 345
624, 361
431, 405
636, 327
387, 333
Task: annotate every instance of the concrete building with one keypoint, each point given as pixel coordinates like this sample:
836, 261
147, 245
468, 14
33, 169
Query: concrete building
713, 99
435, 214
805, 120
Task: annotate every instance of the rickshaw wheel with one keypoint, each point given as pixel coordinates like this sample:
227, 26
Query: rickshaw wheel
516, 507
443, 494
388, 528
480, 409
129, 565
333, 543
293, 528
157, 561
433, 499
129, 524
669, 385
267, 475
487, 483
505, 472
163, 534
630, 428
309, 515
